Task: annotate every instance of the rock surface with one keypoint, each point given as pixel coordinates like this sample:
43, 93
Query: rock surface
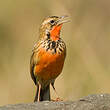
91, 102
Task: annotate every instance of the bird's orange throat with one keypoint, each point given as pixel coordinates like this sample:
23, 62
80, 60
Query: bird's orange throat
55, 32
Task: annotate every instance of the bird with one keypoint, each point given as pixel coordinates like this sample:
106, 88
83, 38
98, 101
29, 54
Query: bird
48, 56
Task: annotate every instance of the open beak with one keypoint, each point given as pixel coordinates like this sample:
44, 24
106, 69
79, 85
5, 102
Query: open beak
63, 19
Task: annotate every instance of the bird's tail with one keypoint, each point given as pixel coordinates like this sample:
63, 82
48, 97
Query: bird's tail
44, 94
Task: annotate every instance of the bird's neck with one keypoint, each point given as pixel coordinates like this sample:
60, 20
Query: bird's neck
55, 32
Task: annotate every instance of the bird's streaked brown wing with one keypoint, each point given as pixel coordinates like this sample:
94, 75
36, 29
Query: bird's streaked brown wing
32, 65
34, 61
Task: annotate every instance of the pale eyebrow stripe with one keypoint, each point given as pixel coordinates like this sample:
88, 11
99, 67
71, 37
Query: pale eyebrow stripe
46, 21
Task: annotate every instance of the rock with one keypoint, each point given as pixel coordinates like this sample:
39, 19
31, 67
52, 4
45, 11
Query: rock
91, 102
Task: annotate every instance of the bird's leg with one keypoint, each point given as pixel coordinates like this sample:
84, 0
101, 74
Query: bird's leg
39, 92
58, 97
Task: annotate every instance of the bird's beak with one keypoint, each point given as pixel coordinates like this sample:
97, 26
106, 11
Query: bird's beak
63, 19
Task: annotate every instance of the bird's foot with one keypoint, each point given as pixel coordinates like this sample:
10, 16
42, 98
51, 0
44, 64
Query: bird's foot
57, 99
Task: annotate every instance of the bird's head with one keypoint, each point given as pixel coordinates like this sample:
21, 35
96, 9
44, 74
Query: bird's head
51, 26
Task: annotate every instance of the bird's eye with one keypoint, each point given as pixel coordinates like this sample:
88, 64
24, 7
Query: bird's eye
52, 21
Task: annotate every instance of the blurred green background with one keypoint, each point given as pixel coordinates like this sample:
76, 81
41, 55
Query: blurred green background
87, 65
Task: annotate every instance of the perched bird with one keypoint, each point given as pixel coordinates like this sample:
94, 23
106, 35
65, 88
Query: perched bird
48, 56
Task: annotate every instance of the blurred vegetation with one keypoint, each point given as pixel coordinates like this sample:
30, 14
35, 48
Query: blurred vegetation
87, 65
